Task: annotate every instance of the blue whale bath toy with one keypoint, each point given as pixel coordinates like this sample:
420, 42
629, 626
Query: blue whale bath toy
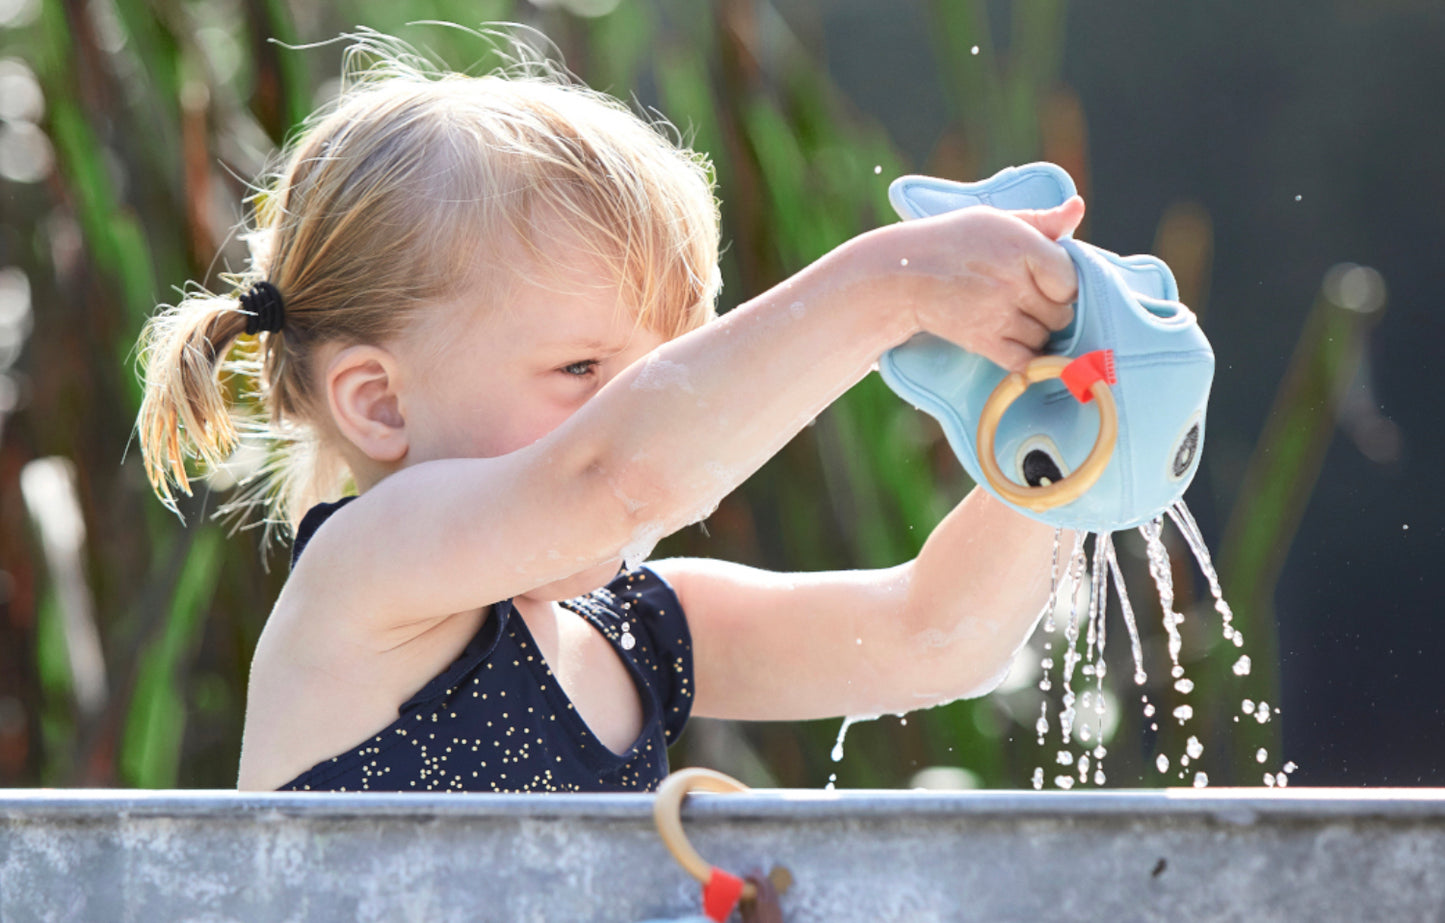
1103, 432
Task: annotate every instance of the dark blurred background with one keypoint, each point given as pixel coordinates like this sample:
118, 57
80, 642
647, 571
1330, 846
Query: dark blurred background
1283, 158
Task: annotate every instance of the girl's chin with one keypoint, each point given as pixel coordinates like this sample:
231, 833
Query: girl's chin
579, 583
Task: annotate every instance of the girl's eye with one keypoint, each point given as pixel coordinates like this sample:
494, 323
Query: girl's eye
580, 369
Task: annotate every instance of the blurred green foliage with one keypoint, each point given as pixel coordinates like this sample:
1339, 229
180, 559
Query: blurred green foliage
157, 112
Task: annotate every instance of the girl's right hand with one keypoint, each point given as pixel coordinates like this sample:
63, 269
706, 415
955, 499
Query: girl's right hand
994, 282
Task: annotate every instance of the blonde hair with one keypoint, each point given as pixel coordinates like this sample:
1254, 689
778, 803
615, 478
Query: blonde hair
394, 197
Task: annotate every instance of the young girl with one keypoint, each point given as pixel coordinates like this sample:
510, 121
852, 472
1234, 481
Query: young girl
484, 306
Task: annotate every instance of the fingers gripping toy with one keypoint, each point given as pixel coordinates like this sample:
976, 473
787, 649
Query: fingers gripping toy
1104, 431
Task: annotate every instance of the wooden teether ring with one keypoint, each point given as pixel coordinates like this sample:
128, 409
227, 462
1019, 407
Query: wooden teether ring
1068, 489
667, 813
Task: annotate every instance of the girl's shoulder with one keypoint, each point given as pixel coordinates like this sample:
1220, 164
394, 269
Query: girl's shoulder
312, 521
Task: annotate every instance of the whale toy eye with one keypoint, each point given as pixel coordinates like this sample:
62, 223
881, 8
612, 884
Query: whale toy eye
1040, 462
1184, 452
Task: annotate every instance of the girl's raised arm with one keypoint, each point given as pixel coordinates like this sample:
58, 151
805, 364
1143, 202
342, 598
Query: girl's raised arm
638, 461
785, 647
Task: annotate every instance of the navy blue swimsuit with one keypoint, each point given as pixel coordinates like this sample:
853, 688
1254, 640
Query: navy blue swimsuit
496, 720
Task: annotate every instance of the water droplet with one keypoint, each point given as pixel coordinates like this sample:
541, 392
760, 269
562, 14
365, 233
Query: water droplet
973, 50
1064, 782
1281, 780
1184, 713
832, 780
1298, 198
1269, 779
1064, 758
1261, 712
1162, 762
1261, 755
1242, 665
1038, 779
1201, 780
1194, 747
1098, 777
1185, 686
1177, 671
838, 745
877, 169
1247, 706
903, 262
628, 642
1290, 766
1148, 711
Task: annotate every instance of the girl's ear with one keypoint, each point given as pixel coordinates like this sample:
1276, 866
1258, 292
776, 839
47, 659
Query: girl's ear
362, 389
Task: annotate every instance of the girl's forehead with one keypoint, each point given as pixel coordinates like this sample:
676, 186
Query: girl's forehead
542, 280
559, 306
587, 315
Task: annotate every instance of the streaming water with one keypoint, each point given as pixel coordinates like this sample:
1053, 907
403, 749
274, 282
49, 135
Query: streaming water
1053, 584
1072, 576
1078, 602
1192, 536
1160, 570
1129, 622
842, 732
1092, 573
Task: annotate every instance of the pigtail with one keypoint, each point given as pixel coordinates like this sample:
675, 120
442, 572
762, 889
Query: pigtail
390, 200
185, 414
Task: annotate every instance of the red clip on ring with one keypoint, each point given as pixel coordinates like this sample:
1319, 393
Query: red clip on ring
1080, 375
721, 894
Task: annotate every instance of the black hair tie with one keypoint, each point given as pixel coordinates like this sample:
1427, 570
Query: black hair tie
264, 309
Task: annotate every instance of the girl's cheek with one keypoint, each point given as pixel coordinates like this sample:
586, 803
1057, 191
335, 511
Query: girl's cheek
547, 419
